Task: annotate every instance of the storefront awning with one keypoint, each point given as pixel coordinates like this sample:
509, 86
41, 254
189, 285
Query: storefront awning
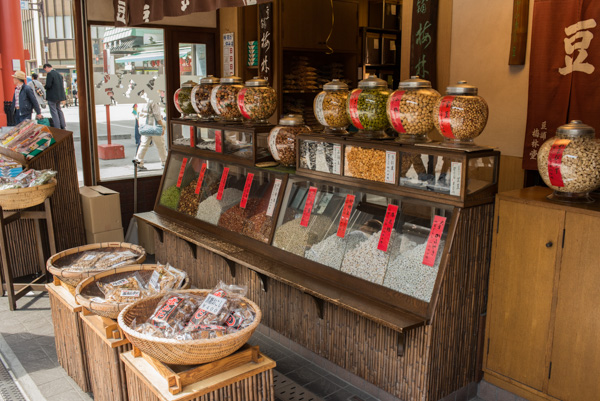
137, 12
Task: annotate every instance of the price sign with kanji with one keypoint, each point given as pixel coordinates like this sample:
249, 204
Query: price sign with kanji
341, 232
388, 226
433, 242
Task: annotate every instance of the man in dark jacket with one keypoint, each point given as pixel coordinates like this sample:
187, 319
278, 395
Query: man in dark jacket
24, 101
55, 94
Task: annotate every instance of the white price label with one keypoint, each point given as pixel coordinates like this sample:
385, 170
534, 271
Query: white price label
130, 293
274, 195
390, 166
337, 158
319, 108
455, 178
154, 281
321, 160
393, 45
213, 304
376, 44
393, 9
98, 300
118, 283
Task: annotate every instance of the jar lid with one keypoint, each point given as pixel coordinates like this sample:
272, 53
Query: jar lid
576, 128
291, 119
335, 84
188, 84
415, 82
210, 80
461, 88
372, 82
257, 81
231, 80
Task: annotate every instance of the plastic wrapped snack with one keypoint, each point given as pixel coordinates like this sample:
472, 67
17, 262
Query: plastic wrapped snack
171, 315
87, 261
166, 278
96, 260
125, 290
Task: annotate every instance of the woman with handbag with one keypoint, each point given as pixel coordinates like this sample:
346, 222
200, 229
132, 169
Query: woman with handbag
152, 132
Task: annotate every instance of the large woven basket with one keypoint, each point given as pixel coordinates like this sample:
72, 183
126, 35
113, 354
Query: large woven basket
88, 289
58, 262
177, 352
22, 198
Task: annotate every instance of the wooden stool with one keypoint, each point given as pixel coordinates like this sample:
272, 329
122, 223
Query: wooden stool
8, 217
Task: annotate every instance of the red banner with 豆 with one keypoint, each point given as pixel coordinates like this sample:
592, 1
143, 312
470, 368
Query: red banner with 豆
564, 70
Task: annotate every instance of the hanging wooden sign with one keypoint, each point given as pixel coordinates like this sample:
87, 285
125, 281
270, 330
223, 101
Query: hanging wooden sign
265, 18
518, 37
423, 40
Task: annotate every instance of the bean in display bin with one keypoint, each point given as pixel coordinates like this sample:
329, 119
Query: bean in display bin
257, 101
183, 100
460, 116
282, 139
201, 98
330, 107
569, 163
409, 109
367, 108
223, 99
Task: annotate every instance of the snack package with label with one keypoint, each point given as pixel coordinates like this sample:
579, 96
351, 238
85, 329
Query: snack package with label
126, 290
166, 278
171, 315
28, 179
87, 261
99, 261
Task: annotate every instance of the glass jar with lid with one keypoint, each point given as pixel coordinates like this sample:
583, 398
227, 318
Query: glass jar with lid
223, 99
282, 139
201, 98
366, 108
569, 163
460, 116
257, 101
183, 100
409, 109
330, 107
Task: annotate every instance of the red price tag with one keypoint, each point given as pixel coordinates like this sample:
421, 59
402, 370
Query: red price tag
354, 108
341, 232
200, 178
444, 116
192, 137
181, 171
219, 141
433, 242
555, 161
223, 182
246, 192
242, 103
395, 111
388, 225
310, 201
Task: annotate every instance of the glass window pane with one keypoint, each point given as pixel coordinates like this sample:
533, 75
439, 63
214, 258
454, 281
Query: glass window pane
51, 28
68, 27
192, 62
60, 27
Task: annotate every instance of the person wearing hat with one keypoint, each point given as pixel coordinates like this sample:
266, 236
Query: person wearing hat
24, 101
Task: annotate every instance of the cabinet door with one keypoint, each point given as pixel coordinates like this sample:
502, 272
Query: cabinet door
520, 291
303, 23
576, 349
345, 28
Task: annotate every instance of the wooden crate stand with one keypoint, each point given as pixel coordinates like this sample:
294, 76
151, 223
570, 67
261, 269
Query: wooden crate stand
68, 335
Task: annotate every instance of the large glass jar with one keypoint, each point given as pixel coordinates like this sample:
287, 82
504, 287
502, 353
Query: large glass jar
460, 116
366, 108
330, 107
257, 101
569, 163
409, 109
183, 100
282, 139
201, 98
223, 99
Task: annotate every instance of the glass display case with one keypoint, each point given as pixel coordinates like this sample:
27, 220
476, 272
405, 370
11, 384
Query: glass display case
232, 197
387, 240
319, 154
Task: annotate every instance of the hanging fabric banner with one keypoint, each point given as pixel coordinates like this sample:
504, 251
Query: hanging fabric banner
423, 40
265, 17
137, 12
564, 71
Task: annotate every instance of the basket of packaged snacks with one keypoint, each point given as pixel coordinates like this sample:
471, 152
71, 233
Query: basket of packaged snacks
28, 189
108, 292
73, 265
191, 327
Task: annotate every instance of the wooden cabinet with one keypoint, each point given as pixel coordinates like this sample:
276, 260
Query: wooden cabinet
544, 298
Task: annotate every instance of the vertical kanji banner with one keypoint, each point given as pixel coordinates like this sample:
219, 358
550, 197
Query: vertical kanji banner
423, 40
265, 16
564, 70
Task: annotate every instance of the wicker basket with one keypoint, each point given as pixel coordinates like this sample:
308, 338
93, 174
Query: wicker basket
58, 262
87, 289
22, 198
177, 352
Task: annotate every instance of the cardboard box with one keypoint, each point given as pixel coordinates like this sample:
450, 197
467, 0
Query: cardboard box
105, 236
101, 209
146, 236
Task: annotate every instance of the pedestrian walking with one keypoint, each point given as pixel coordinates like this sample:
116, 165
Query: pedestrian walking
55, 94
75, 99
151, 133
24, 101
137, 126
38, 89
